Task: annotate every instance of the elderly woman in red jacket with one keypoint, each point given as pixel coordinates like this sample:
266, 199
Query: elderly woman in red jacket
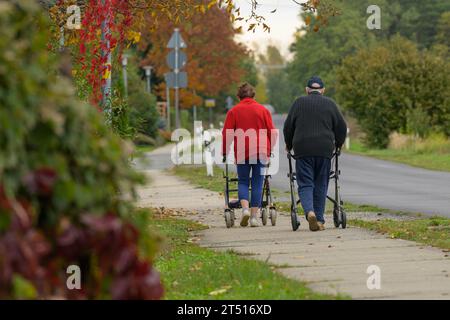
250, 126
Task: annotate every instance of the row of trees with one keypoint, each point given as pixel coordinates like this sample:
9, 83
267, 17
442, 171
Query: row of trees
216, 62
394, 86
381, 77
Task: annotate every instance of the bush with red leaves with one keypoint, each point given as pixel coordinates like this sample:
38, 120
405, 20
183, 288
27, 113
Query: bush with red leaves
104, 247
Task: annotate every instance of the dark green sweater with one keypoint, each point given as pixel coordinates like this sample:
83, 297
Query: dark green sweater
314, 127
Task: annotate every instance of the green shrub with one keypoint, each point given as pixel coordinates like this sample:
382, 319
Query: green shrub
143, 114
381, 85
64, 180
121, 117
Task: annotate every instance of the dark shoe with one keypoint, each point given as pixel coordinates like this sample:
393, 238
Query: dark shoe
312, 220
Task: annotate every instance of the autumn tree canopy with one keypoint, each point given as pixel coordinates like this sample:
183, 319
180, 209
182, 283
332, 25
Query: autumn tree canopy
214, 58
109, 26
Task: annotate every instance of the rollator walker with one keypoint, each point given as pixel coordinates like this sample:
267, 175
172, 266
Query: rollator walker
268, 209
339, 215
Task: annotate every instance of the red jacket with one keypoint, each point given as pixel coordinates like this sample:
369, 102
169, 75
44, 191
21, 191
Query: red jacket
257, 130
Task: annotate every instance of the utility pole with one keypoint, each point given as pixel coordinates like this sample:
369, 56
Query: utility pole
194, 108
168, 106
194, 112
177, 86
177, 79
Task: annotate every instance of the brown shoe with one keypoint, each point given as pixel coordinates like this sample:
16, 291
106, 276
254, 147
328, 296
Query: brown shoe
321, 226
312, 220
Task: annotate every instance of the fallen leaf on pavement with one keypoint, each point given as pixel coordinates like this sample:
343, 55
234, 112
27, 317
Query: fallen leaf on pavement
219, 291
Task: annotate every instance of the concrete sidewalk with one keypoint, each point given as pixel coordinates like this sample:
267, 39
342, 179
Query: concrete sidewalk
332, 261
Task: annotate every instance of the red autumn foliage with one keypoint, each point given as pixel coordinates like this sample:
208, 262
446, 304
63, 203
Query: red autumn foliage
213, 55
104, 246
113, 18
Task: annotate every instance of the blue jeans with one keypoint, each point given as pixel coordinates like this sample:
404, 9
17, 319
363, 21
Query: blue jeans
257, 180
313, 174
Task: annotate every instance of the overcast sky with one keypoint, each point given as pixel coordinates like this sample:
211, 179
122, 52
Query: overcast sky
283, 23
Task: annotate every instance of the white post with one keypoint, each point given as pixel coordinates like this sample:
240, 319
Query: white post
347, 140
208, 155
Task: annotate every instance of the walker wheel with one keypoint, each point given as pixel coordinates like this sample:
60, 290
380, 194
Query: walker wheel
229, 221
339, 217
336, 217
273, 216
264, 216
294, 220
344, 219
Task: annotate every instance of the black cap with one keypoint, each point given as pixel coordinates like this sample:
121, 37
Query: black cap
314, 81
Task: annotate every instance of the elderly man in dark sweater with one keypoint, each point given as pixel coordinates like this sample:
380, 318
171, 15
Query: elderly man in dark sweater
313, 129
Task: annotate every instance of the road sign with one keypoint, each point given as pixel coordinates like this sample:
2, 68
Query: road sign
176, 41
174, 80
210, 103
172, 62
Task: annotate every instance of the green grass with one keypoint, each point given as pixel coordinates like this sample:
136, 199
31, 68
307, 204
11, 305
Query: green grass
142, 149
196, 174
422, 158
191, 272
431, 231
285, 206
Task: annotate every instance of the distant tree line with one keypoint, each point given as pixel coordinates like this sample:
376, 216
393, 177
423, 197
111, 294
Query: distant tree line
384, 78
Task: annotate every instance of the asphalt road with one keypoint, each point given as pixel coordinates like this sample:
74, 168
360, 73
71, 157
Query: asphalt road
390, 185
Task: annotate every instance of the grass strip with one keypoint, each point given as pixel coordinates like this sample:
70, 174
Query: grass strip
426, 160
192, 272
433, 231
